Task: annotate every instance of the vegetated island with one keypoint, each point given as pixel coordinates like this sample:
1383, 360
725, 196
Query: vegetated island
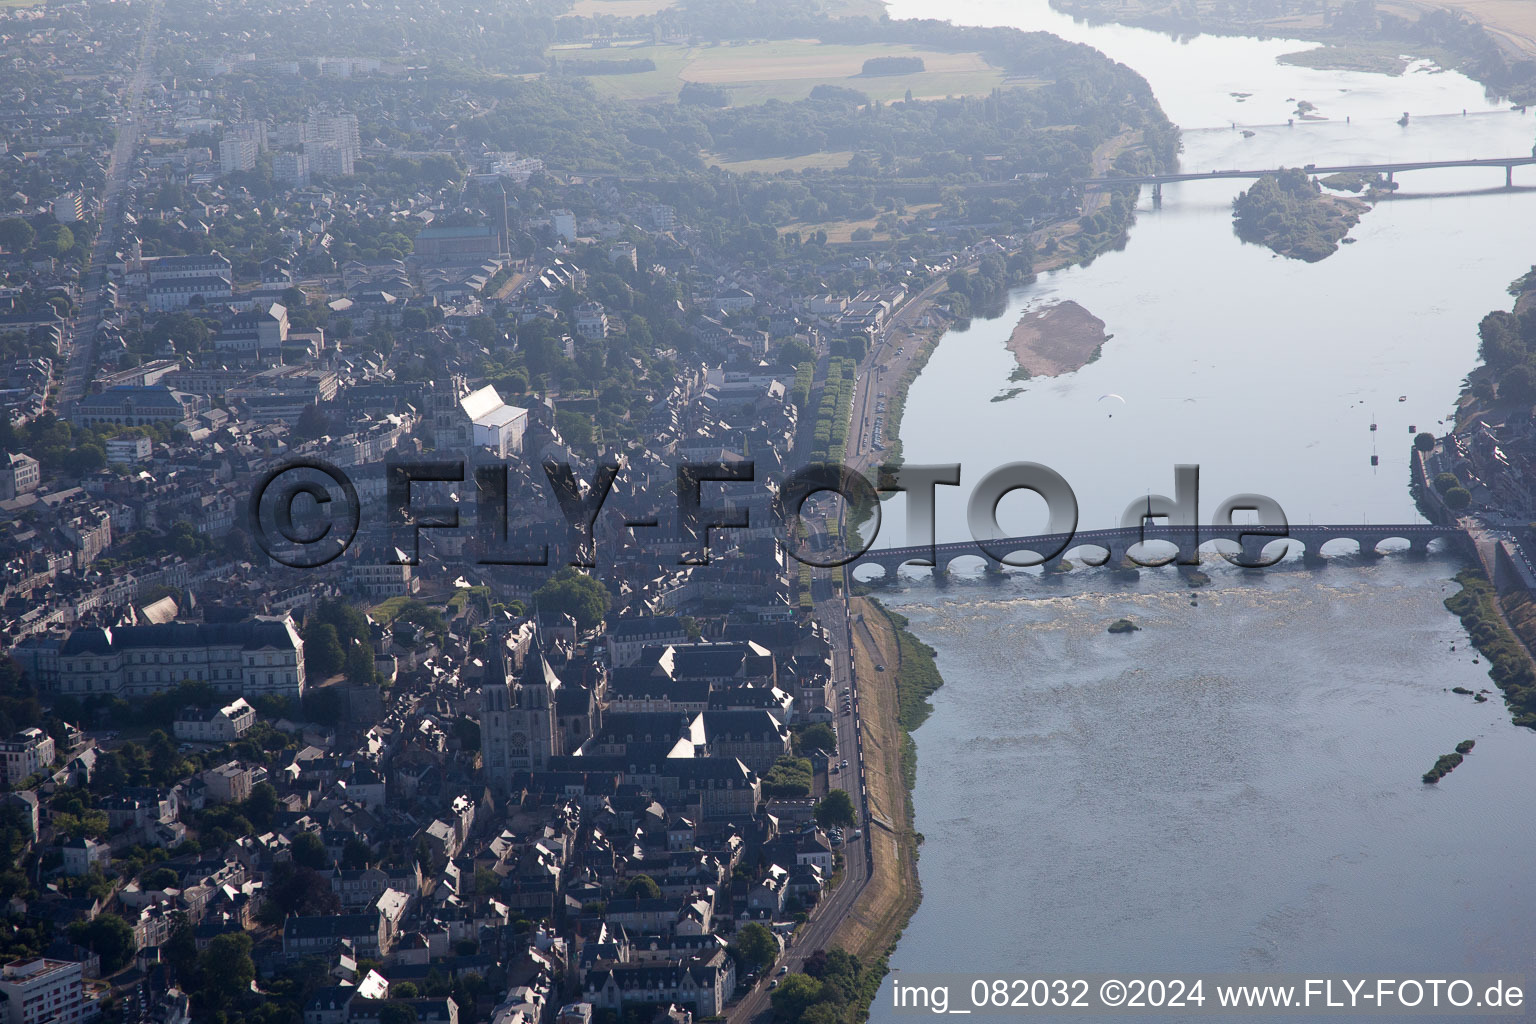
1056, 338
1124, 626
1380, 58
1292, 215
1359, 181
1446, 763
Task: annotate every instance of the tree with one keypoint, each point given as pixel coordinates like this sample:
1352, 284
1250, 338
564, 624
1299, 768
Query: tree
355, 854
1445, 481
323, 656
836, 809
573, 593
63, 240
108, 936
227, 969
296, 889
261, 805
403, 990
643, 887
575, 429
16, 234
1424, 441
359, 668
309, 851
1458, 498
796, 994
311, 424
180, 951
817, 736
1518, 385
350, 623
398, 1013
755, 947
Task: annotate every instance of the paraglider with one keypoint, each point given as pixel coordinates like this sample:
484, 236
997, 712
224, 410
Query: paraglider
1115, 397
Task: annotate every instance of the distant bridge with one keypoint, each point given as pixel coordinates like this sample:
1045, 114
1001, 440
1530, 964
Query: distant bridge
1051, 550
1509, 163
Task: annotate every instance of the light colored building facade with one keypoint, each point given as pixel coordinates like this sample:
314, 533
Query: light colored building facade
26, 753
42, 991
261, 656
215, 725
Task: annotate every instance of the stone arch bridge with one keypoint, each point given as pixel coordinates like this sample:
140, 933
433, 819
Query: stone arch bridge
1116, 545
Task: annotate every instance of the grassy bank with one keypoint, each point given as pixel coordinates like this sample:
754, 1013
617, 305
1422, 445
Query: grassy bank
1477, 604
917, 678
890, 697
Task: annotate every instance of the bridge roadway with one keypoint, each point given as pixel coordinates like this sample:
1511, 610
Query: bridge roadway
1050, 550
1509, 163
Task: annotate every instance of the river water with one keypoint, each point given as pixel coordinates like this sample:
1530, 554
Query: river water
1236, 787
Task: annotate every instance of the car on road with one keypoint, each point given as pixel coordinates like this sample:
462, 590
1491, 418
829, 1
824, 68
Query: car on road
858, 833
783, 970
844, 763
774, 983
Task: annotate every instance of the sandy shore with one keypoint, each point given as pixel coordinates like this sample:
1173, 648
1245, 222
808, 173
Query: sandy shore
1057, 338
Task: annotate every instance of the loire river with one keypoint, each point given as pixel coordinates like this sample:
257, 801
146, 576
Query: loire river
1236, 788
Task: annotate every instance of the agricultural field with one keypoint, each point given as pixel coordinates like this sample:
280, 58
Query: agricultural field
842, 230
640, 8
619, 8
786, 69
775, 164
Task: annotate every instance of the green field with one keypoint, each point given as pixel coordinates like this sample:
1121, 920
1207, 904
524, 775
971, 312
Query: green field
787, 70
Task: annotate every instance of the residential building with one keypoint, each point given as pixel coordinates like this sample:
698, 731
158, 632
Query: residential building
229, 783
179, 293
25, 754
42, 991
237, 153
69, 208
20, 473
290, 169
195, 267
256, 335
320, 936
215, 725
591, 320
80, 855
564, 222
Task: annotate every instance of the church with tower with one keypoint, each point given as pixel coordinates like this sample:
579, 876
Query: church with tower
527, 714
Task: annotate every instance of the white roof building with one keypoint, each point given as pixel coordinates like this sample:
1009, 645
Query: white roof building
495, 424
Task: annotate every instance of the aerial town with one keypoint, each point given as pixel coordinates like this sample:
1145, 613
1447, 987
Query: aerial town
437, 778
413, 610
